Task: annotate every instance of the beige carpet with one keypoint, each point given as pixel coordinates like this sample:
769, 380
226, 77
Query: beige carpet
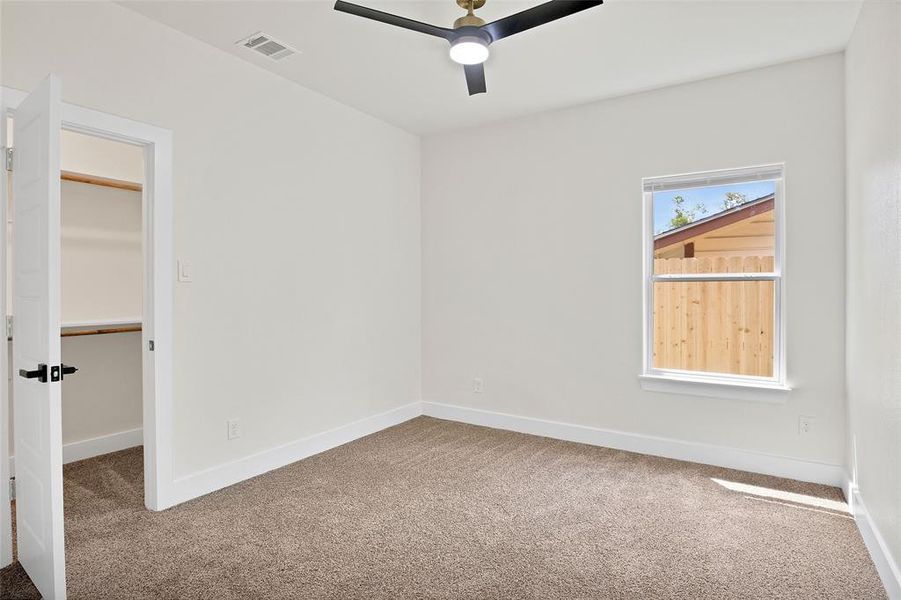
433, 509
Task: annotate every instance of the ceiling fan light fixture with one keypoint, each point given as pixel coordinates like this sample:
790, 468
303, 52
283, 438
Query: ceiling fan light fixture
469, 50
471, 36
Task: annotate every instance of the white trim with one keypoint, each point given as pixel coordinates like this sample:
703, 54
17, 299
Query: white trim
90, 448
848, 490
885, 564
158, 277
714, 277
712, 178
80, 450
221, 476
764, 391
736, 386
708, 454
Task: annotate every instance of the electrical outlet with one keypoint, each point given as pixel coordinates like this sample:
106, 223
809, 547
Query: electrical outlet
805, 425
234, 428
478, 385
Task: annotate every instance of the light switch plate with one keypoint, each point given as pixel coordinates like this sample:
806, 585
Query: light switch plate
185, 271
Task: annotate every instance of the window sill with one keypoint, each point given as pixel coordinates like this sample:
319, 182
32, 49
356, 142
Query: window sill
772, 393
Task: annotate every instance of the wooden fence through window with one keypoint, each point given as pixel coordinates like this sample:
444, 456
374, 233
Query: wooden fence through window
714, 326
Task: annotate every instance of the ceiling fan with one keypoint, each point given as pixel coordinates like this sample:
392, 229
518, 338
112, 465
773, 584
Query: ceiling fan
470, 37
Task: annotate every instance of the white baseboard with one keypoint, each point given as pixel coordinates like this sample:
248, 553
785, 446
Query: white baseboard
708, 454
201, 483
886, 565
102, 445
204, 482
210, 480
90, 448
848, 490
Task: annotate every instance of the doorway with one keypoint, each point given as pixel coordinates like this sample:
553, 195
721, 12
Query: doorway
151, 330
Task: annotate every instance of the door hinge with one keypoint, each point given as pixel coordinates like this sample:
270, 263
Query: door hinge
8, 156
12, 488
9, 327
150, 345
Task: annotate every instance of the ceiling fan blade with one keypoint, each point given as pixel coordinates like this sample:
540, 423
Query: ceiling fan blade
539, 15
475, 79
377, 15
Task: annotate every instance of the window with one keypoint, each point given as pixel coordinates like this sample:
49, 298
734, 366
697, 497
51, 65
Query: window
714, 279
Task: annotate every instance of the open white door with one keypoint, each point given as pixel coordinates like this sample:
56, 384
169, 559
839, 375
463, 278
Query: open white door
36, 346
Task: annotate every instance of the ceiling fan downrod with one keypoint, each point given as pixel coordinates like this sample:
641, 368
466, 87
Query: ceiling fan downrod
469, 19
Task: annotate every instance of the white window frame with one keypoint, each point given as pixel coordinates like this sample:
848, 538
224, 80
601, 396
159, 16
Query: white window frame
702, 383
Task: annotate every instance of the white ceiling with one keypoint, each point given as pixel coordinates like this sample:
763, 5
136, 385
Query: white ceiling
407, 78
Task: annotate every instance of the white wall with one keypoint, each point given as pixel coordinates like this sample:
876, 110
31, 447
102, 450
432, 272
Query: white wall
532, 256
103, 158
873, 72
101, 253
300, 215
104, 397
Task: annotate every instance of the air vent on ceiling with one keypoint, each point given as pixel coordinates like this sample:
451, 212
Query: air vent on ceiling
264, 44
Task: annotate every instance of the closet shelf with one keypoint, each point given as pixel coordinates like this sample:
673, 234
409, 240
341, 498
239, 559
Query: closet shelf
100, 323
80, 332
108, 326
80, 328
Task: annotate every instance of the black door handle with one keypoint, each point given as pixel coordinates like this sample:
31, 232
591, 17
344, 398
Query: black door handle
40, 373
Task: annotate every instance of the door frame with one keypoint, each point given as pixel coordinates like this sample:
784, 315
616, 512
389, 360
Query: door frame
157, 296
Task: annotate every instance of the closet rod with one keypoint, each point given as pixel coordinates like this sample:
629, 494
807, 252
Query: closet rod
100, 331
104, 181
